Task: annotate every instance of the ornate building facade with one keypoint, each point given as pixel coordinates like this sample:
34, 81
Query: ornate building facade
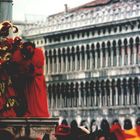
93, 60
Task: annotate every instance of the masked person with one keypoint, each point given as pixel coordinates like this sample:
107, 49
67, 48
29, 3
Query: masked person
31, 64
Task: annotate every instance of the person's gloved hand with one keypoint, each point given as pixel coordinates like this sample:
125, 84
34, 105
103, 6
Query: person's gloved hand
31, 68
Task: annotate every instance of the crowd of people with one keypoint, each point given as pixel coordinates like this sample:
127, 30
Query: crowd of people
22, 82
105, 131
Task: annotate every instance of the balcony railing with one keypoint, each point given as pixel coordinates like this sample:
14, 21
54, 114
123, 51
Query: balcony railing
92, 20
31, 126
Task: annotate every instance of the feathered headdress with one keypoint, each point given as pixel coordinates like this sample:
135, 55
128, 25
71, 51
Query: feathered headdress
8, 44
4, 28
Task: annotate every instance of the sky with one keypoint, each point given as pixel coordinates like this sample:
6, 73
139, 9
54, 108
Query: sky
22, 8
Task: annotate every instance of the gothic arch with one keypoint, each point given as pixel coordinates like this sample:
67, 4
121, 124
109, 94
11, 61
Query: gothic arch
113, 83
125, 42
91, 85
82, 85
103, 49
77, 49
72, 50
102, 87
119, 42
49, 88
119, 82
77, 86
50, 52
59, 51
54, 52
92, 46
98, 45
82, 48
131, 41
103, 44
130, 80
97, 86
114, 43
108, 43
63, 51
87, 47
68, 50
86, 85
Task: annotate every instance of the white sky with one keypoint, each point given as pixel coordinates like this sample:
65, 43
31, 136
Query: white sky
42, 7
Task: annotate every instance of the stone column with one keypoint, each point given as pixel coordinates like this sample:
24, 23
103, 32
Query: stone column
6, 10
57, 63
112, 56
100, 99
76, 62
116, 93
119, 95
83, 61
135, 53
79, 98
80, 61
128, 95
122, 95
138, 100
61, 100
66, 63
129, 55
62, 64
53, 64
48, 66
106, 51
111, 96
105, 90
95, 97
91, 60
71, 62
139, 55
86, 63
133, 95
56, 100
101, 58
64, 59
123, 56
96, 59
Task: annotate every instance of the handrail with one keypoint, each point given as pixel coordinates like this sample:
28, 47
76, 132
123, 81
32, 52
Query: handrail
32, 121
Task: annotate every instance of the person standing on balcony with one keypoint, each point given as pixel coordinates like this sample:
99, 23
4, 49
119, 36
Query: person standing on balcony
31, 65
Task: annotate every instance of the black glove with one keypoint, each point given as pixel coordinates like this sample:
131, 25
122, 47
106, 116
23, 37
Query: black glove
31, 68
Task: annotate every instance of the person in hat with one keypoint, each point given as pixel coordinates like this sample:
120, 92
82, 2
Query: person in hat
78, 132
127, 124
129, 131
62, 132
105, 128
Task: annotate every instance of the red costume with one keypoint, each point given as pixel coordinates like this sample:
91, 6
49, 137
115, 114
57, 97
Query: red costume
35, 90
6, 111
35, 86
